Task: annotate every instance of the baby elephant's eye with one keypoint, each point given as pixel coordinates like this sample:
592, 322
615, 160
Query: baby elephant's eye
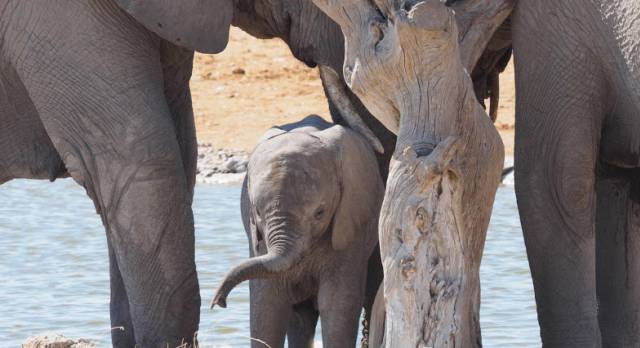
319, 213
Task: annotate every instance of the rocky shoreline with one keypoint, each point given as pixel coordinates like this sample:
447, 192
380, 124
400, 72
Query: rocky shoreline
56, 341
221, 166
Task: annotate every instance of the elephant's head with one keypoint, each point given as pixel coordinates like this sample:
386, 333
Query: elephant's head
312, 36
203, 25
305, 189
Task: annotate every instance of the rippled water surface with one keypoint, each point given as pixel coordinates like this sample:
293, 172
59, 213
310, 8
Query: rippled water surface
54, 268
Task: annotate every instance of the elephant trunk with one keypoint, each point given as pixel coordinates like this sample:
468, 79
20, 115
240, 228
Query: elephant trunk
281, 257
337, 92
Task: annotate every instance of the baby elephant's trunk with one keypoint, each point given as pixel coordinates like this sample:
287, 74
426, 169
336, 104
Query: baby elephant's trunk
265, 266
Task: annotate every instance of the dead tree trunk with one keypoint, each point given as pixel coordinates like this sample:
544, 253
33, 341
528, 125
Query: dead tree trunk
403, 61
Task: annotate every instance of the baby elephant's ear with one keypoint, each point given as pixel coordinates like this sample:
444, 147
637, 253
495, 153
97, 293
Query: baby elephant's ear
247, 217
199, 25
362, 190
271, 133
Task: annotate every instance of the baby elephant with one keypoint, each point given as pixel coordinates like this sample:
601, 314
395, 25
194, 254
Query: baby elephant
310, 205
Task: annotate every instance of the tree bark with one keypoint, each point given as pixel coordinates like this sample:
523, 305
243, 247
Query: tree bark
404, 63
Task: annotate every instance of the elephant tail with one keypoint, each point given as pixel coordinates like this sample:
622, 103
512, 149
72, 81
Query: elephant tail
377, 324
505, 172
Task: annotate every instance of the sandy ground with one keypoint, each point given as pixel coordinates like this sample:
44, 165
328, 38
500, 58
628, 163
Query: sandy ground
255, 84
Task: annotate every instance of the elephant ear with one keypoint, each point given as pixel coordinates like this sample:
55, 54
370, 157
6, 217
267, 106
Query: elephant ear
245, 203
270, 133
247, 218
200, 25
362, 189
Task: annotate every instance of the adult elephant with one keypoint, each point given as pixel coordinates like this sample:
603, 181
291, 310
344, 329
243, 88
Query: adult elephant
98, 90
577, 161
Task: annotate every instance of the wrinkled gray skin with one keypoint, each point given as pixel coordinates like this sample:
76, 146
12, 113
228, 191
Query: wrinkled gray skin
310, 202
100, 93
87, 91
577, 166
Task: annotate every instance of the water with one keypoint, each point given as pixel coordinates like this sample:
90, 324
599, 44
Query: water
54, 268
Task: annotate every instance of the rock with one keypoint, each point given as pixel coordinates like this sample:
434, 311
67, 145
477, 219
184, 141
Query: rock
239, 71
56, 341
229, 165
222, 179
241, 166
213, 162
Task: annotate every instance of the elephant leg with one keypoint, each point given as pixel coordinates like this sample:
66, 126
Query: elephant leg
617, 252
177, 66
559, 115
122, 334
140, 190
340, 300
556, 200
102, 102
375, 275
302, 325
556, 151
270, 313
141, 193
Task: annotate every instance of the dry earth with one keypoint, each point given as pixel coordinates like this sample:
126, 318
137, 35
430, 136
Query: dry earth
255, 84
